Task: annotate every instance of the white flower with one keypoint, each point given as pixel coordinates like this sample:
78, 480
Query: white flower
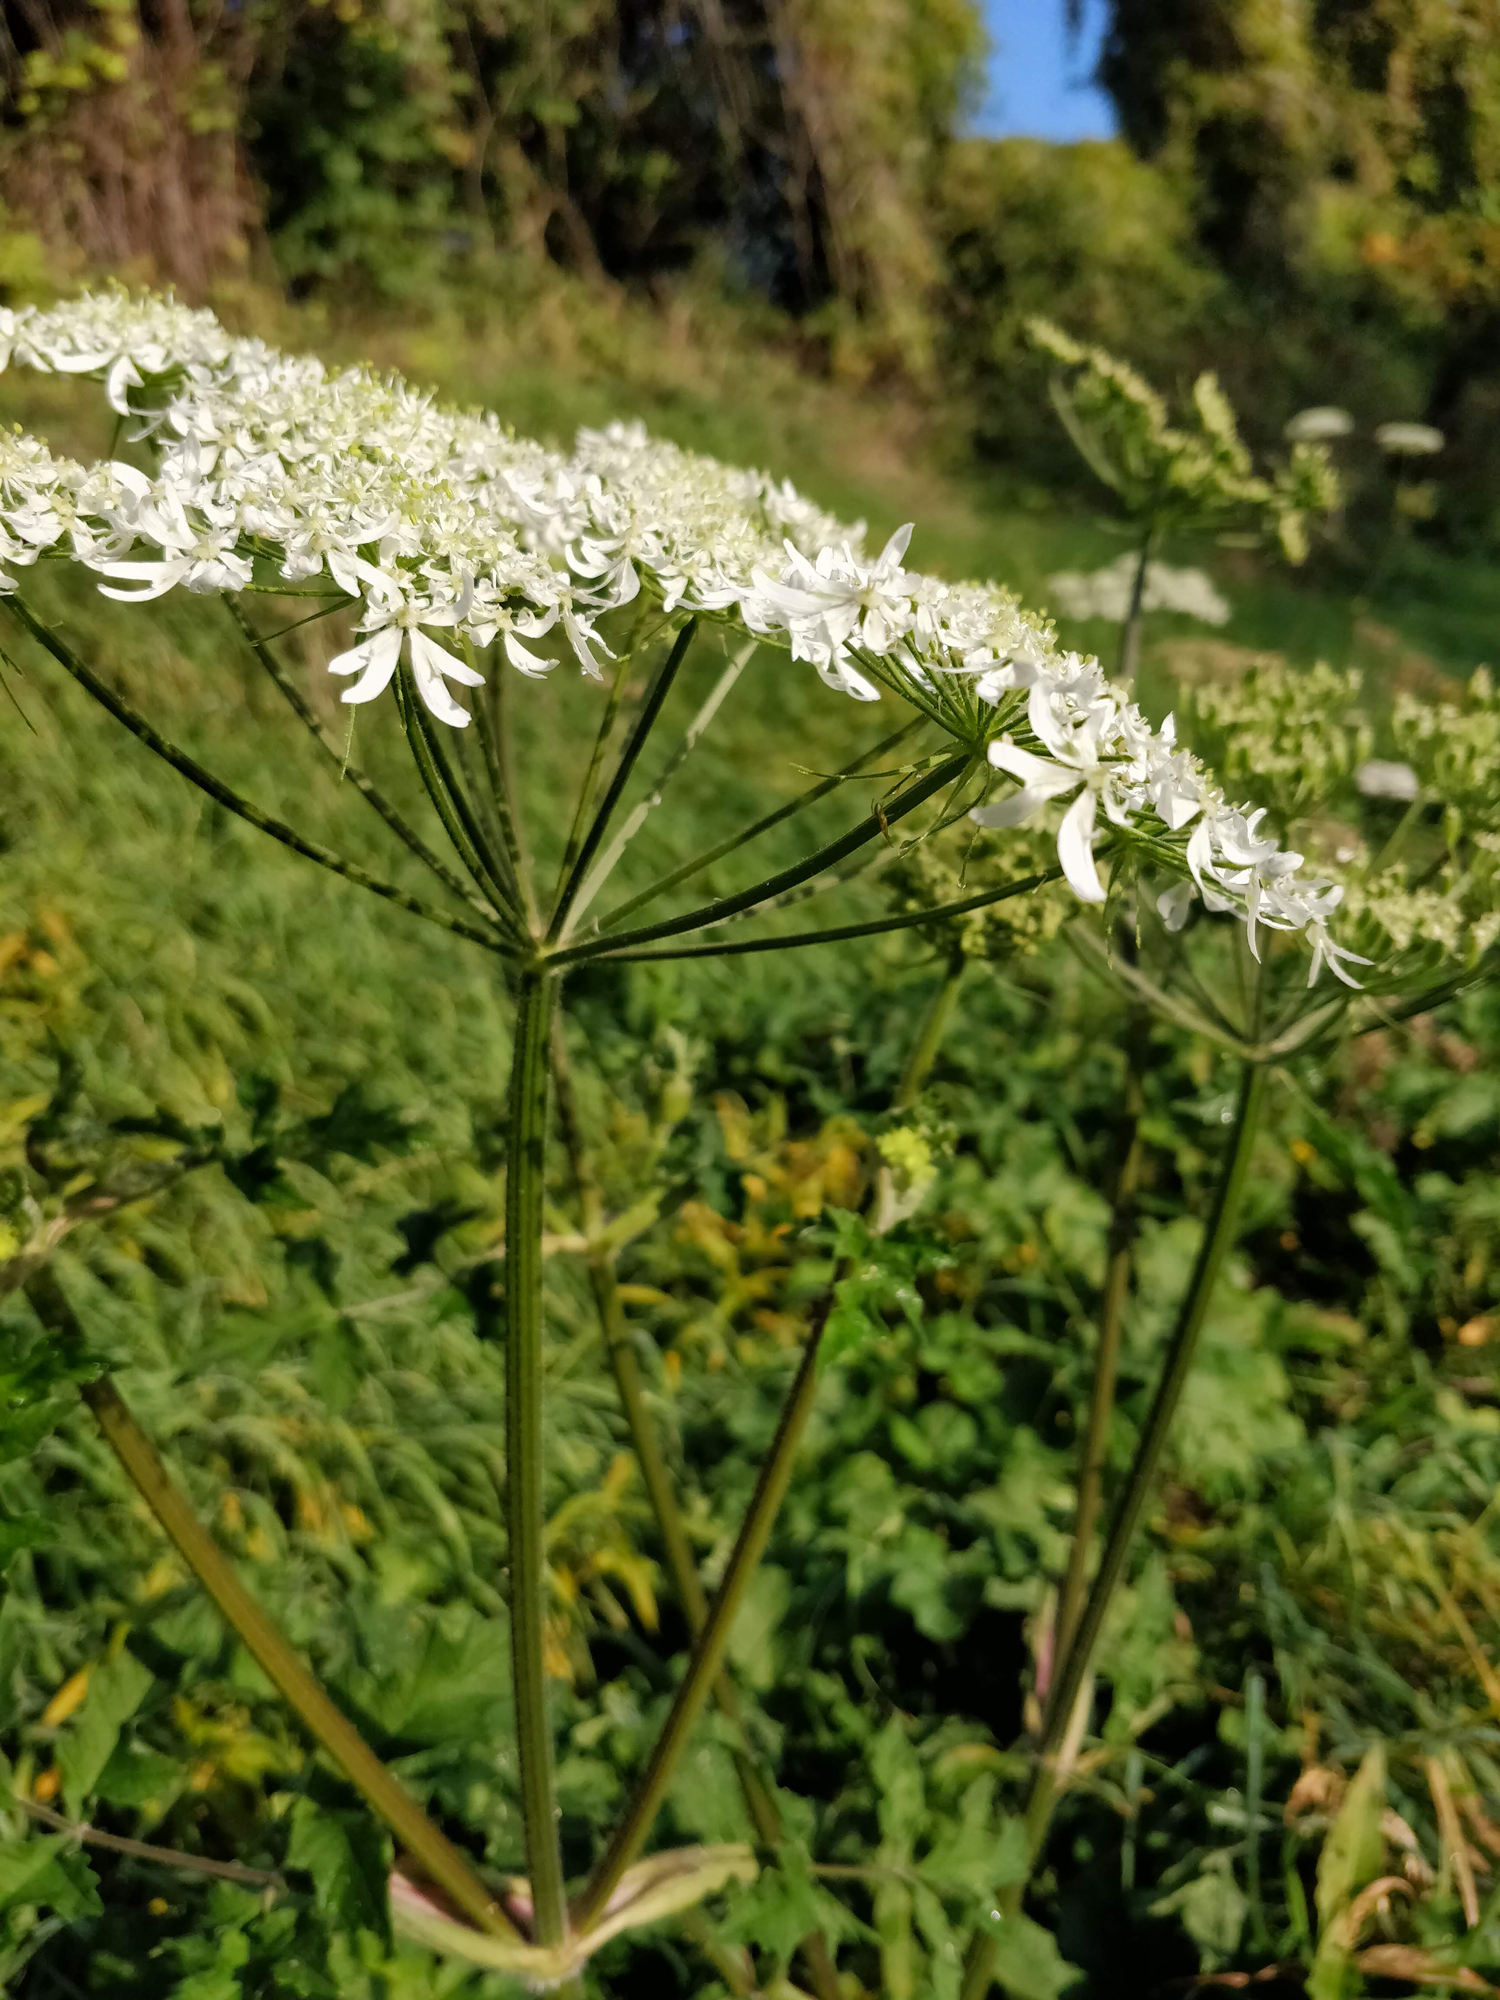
1319, 425
1076, 764
1380, 779
1404, 440
438, 519
375, 659
1106, 593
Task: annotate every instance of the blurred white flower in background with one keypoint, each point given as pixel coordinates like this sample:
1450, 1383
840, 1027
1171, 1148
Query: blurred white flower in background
1318, 425
1105, 593
1379, 778
1409, 440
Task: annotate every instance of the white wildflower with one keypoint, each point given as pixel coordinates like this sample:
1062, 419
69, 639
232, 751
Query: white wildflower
1380, 778
1319, 425
1403, 440
1106, 593
433, 520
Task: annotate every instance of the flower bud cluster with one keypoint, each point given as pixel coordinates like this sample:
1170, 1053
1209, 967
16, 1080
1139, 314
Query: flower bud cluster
281, 472
1454, 746
1300, 733
1175, 479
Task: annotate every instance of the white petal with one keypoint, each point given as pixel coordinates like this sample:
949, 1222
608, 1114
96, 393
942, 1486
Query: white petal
427, 666
374, 660
1173, 904
129, 476
1045, 726
535, 664
1014, 811
1075, 849
123, 374
896, 547
441, 661
159, 578
1039, 773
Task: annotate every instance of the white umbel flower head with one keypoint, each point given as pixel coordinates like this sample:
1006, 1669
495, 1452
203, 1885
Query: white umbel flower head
432, 520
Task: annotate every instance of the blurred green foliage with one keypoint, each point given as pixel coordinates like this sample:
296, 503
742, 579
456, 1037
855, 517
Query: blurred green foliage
805, 171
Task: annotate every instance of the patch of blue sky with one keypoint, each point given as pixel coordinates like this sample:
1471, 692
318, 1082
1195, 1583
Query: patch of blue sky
1040, 77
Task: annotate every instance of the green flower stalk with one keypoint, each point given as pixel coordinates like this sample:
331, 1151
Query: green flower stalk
1195, 477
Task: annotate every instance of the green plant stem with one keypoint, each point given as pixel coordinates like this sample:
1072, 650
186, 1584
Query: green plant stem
591, 777
492, 711
708, 1651
759, 1802
525, 1188
217, 790
788, 940
635, 743
435, 1855
351, 774
930, 1035
610, 859
734, 841
1095, 1452
1181, 1350
618, 1345
1130, 630
445, 788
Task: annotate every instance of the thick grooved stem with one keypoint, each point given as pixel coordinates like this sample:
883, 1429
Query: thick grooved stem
708, 1652
525, 1501
438, 1859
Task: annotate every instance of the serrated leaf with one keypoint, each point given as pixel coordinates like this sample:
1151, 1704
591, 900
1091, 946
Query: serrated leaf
43, 1873
901, 1803
1027, 1962
135, 1777
346, 1857
785, 1905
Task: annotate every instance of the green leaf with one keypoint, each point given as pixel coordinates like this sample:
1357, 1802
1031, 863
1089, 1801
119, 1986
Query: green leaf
1351, 1855
346, 1857
27, 1531
1027, 1961
42, 1874
762, 1612
116, 1691
902, 1803
783, 1906
977, 1854
136, 1777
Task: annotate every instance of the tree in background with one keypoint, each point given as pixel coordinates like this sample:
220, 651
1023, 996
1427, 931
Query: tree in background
366, 143
1346, 153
